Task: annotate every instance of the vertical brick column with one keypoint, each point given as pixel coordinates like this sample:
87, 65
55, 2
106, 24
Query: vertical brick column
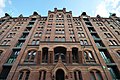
34, 75
38, 57
80, 56
67, 57
48, 75
51, 57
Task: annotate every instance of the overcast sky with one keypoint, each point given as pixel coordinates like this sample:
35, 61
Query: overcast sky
91, 7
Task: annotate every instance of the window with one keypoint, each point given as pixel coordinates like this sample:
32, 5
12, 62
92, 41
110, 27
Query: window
30, 24
51, 16
84, 42
42, 75
20, 43
10, 35
88, 56
15, 28
68, 16
44, 55
1, 52
1, 32
103, 28
48, 31
22, 73
35, 42
108, 35
13, 56
63, 39
118, 53
75, 55
118, 33
24, 35
5, 42
56, 39
105, 55
30, 56
99, 24
81, 35
112, 27
113, 42
60, 16
95, 75
59, 31
71, 31
77, 75
79, 28
47, 38
59, 25
72, 38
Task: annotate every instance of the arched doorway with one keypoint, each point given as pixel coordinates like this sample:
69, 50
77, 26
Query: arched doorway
60, 52
60, 75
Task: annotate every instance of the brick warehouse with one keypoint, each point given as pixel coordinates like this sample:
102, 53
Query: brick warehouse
59, 47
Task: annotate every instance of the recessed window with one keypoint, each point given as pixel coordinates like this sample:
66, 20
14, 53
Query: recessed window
35, 42
5, 42
95, 75
42, 75
24, 73
113, 42
30, 56
89, 57
77, 75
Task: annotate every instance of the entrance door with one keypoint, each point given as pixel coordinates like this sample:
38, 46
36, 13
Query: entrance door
60, 74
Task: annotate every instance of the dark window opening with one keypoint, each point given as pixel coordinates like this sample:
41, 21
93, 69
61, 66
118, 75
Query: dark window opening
75, 55
4, 73
44, 55
60, 52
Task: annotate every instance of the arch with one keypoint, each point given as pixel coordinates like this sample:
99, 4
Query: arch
60, 74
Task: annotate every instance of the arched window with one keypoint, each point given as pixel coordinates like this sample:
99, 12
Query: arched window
68, 16
1, 51
51, 16
77, 75
60, 52
88, 56
30, 56
44, 55
75, 55
95, 75
22, 73
42, 75
60, 16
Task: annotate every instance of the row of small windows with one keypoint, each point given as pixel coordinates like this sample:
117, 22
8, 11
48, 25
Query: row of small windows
104, 29
15, 28
59, 39
59, 16
113, 42
60, 31
11, 35
5, 42
94, 75
81, 35
38, 34
35, 42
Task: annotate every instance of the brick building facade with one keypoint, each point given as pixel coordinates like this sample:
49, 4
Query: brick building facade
59, 47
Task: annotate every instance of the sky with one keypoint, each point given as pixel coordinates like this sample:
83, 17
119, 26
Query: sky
91, 7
